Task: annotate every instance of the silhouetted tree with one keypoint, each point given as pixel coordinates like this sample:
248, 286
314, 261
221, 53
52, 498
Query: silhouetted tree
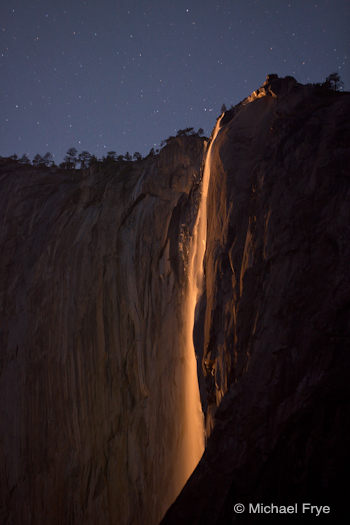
24, 159
14, 156
137, 156
223, 108
38, 160
48, 159
200, 132
151, 153
334, 82
71, 158
93, 161
127, 156
184, 132
84, 159
112, 155
110, 159
120, 158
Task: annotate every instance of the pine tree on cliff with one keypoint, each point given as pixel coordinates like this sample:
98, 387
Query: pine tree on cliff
137, 156
127, 156
71, 158
334, 82
84, 159
38, 160
48, 159
24, 159
111, 156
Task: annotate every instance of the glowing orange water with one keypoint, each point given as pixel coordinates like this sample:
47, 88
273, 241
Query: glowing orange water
193, 416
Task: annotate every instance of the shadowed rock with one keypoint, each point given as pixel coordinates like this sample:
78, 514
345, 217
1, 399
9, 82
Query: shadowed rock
93, 272
92, 283
277, 308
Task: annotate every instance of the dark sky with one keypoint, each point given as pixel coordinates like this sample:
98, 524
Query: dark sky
106, 75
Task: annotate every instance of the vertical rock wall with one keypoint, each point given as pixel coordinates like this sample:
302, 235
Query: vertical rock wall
92, 292
92, 283
277, 318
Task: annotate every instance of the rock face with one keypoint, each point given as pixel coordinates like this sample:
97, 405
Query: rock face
276, 314
93, 286
92, 361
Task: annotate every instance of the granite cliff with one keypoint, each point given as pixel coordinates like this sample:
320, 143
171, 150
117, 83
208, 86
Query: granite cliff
92, 353
275, 316
95, 422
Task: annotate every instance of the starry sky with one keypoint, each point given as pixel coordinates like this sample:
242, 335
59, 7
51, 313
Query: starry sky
123, 75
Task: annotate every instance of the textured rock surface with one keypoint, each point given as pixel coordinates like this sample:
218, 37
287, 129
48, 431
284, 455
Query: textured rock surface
277, 309
91, 364
92, 292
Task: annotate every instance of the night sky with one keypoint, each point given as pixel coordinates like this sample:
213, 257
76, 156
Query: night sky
104, 75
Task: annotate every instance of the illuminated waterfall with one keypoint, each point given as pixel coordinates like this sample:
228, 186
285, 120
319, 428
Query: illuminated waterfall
193, 415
